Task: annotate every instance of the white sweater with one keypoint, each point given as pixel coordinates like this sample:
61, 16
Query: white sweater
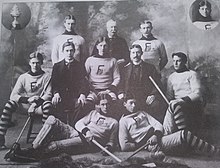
78, 41
28, 86
184, 84
104, 129
102, 72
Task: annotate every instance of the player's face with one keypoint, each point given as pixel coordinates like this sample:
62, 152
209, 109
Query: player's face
104, 106
130, 105
178, 63
146, 28
35, 65
68, 52
205, 11
69, 24
135, 55
112, 28
102, 48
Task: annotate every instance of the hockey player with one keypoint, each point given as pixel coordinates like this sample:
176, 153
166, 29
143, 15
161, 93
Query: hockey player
71, 36
56, 135
138, 128
26, 94
184, 92
102, 71
154, 51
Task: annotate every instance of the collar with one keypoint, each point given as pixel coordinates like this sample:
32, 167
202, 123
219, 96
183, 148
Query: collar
99, 56
138, 63
184, 69
113, 37
66, 62
149, 37
69, 33
37, 73
204, 19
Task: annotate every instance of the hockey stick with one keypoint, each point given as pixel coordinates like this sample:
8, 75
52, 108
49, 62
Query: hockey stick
105, 150
138, 150
158, 89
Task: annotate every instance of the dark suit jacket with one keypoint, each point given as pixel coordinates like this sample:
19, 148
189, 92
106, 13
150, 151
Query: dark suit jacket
69, 83
146, 88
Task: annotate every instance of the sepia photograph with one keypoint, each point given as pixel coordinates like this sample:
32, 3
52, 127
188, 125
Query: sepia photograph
109, 84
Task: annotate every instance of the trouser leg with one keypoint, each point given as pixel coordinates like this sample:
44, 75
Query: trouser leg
10, 107
53, 130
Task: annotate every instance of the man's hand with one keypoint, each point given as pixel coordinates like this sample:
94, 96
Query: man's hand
32, 108
33, 99
150, 99
152, 140
82, 99
56, 99
177, 101
88, 136
121, 96
109, 148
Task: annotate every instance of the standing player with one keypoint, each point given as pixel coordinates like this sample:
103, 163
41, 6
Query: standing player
70, 36
154, 51
118, 47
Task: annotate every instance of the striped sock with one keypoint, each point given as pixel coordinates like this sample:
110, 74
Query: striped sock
198, 144
10, 107
46, 109
179, 117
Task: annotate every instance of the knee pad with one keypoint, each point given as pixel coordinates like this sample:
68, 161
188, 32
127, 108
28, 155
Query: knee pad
51, 120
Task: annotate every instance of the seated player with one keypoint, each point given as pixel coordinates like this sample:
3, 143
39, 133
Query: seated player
55, 135
135, 80
138, 128
102, 71
69, 86
184, 93
28, 95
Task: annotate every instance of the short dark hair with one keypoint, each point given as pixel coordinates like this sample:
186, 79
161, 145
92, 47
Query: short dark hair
204, 2
136, 46
146, 22
67, 17
180, 55
37, 55
102, 96
128, 96
68, 43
